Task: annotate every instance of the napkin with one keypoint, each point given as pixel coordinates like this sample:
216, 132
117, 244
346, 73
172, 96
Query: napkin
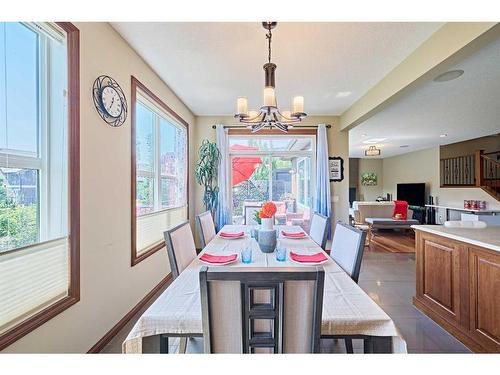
293, 234
231, 235
215, 259
314, 258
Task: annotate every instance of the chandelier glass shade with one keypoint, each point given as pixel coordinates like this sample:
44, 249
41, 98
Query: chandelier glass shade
269, 115
372, 151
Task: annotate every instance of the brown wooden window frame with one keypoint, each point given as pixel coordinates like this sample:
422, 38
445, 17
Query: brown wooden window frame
34, 321
136, 84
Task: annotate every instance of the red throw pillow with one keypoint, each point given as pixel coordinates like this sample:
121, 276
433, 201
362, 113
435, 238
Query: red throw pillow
400, 208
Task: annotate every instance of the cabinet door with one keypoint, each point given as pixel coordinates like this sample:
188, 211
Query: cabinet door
484, 273
439, 284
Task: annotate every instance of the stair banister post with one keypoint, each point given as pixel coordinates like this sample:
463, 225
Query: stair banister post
479, 168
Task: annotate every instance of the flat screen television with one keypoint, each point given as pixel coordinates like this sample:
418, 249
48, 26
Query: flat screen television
414, 194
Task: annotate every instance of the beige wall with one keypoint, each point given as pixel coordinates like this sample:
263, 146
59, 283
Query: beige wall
488, 144
338, 144
370, 193
423, 166
110, 287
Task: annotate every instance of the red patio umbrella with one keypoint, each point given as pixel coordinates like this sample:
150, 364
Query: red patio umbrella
244, 166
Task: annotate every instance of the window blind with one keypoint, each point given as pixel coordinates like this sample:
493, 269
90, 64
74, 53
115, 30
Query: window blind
150, 227
31, 279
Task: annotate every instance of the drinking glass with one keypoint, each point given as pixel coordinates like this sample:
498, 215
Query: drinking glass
246, 255
280, 253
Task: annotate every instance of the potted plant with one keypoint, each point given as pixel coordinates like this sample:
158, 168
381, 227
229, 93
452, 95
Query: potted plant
266, 215
206, 173
267, 235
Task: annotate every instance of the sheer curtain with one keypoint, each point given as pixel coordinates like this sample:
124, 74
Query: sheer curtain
322, 203
223, 215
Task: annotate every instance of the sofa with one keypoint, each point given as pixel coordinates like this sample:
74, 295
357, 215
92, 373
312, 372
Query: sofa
365, 209
379, 210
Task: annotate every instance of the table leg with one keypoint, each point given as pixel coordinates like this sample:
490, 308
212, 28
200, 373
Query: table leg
155, 344
163, 344
182, 345
370, 233
378, 344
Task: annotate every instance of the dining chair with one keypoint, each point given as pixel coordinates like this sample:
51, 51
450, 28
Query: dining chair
272, 310
249, 214
181, 249
205, 227
319, 229
181, 252
347, 251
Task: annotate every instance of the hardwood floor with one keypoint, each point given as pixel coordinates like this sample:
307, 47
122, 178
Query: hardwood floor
393, 241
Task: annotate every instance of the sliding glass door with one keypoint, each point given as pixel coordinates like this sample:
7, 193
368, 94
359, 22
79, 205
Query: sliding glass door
272, 168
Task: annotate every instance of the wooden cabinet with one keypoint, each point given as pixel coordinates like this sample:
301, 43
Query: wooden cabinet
440, 282
484, 273
458, 286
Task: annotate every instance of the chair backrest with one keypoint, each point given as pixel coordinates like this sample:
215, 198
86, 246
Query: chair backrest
181, 249
249, 214
205, 227
271, 310
319, 229
347, 248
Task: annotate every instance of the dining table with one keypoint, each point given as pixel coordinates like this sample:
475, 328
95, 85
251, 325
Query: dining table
348, 312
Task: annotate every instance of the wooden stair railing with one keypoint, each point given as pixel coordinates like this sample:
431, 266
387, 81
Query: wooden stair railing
481, 170
488, 172
458, 171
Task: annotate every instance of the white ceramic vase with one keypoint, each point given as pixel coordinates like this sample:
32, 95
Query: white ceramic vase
267, 224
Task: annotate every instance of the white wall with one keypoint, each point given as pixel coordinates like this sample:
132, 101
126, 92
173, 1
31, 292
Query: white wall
110, 287
370, 193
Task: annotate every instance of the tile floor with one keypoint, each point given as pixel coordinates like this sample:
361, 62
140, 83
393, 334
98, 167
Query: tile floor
389, 278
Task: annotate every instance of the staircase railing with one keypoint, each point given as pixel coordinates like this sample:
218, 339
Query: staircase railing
489, 171
458, 171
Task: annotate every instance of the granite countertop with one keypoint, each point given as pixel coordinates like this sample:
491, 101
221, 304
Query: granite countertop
488, 238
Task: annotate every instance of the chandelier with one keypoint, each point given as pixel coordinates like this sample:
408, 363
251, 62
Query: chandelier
269, 114
372, 151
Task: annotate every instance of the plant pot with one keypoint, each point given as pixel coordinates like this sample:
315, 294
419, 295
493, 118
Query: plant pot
267, 240
267, 224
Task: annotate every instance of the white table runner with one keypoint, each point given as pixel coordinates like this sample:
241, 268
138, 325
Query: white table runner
347, 309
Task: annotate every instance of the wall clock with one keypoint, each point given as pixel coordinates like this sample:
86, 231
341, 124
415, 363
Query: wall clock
109, 101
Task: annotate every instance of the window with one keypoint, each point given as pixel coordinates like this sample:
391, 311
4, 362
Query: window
304, 182
276, 168
159, 167
39, 168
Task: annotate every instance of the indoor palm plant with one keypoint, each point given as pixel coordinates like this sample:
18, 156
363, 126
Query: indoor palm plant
206, 173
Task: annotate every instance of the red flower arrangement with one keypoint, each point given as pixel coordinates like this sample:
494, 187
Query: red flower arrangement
268, 210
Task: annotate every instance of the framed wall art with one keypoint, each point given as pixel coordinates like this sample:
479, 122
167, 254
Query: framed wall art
336, 168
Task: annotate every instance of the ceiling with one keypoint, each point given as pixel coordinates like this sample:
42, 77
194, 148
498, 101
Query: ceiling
208, 65
465, 108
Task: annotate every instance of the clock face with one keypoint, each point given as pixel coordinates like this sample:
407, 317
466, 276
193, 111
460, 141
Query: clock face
111, 101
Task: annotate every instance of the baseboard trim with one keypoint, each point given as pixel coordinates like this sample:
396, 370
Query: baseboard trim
99, 346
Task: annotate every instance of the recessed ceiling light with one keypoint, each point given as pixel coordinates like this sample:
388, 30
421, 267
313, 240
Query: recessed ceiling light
448, 76
443, 135
343, 94
404, 146
372, 141
363, 135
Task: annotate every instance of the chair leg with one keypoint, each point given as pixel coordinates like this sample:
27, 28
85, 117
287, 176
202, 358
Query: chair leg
182, 345
348, 346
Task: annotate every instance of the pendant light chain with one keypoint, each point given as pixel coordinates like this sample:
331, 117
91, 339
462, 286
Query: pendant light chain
269, 37
269, 115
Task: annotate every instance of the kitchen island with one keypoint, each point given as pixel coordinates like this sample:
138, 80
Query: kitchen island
458, 282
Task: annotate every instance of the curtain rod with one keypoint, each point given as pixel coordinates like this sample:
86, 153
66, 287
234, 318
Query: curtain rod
295, 127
